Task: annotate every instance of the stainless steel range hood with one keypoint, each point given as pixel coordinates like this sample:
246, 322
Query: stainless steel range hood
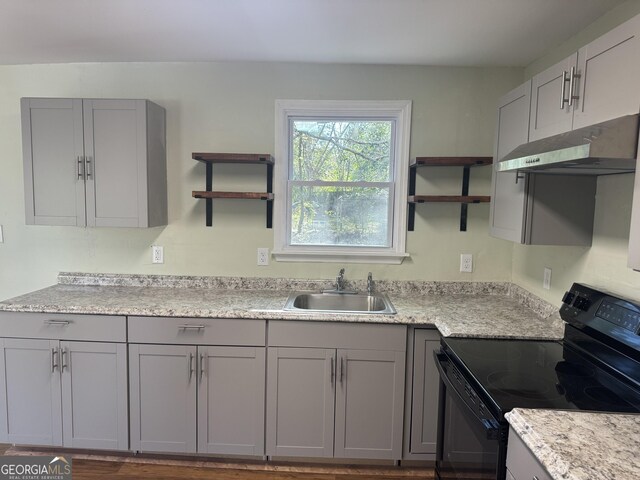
601, 149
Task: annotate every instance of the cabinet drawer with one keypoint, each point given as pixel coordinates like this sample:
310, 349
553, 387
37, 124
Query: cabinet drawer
521, 462
283, 333
197, 331
64, 326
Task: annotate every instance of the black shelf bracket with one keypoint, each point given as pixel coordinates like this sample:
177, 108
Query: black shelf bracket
465, 192
269, 190
412, 206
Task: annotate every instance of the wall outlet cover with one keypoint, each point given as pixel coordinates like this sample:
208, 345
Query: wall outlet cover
157, 254
466, 262
546, 281
263, 256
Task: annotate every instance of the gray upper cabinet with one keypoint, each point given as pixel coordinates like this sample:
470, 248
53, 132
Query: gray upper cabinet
536, 209
94, 162
508, 195
610, 69
598, 83
551, 115
325, 399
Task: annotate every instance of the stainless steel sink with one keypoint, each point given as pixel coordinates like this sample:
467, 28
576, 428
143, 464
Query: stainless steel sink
339, 303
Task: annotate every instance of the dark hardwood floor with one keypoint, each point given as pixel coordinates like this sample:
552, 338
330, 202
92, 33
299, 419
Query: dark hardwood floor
84, 469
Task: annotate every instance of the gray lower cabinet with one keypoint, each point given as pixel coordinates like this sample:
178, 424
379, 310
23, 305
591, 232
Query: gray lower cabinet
521, 463
190, 397
422, 393
335, 390
64, 393
94, 162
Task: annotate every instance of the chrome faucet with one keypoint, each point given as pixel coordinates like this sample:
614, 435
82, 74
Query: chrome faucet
370, 284
340, 281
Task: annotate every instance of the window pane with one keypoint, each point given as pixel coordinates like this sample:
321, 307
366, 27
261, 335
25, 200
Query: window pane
340, 216
341, 150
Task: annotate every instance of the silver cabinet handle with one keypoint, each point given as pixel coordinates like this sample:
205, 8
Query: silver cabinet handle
341, 369
333, 373
201, 366
61, 323
54, 359
563, 100
191, 327
572, 76
535, 477
63, 354
190, 365
87, 162
80, 167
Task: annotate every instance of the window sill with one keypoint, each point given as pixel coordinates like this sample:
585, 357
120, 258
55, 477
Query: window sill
390, 258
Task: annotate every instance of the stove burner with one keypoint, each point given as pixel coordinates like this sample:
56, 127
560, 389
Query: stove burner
517, 385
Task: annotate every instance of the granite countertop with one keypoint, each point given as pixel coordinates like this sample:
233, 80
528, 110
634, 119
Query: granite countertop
581, 445
496, 310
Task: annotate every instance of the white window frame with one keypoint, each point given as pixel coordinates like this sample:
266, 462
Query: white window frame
397, 111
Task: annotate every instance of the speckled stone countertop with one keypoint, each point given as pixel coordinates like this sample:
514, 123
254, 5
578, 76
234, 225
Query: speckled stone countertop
581, 445
481, 309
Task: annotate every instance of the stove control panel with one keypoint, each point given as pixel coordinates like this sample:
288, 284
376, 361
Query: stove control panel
611, 315
619, 315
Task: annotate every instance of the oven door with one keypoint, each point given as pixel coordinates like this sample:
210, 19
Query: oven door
471, 441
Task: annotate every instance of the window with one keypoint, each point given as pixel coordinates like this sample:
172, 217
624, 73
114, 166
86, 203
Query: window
341, 180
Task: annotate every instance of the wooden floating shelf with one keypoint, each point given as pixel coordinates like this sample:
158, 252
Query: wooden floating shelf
451, 161
464, 199
245, 195
209, 159
238, 158
449, 199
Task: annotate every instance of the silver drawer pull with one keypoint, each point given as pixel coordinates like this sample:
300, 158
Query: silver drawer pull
57, 322
191, 327
535, 478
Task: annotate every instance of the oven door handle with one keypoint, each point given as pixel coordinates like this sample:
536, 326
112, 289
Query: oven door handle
490, 426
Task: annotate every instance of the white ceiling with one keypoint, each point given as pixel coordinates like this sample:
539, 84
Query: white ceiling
425, 32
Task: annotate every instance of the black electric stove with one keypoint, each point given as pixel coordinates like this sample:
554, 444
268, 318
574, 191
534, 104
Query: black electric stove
596, 367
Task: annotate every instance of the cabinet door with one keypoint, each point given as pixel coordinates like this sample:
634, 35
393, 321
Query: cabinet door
52, 146
163, 398
610, 75
634, 233
231, 404
30, 398
300, 401
426, 383
548, 117
369, 404
94, 395
508, 195
115, 150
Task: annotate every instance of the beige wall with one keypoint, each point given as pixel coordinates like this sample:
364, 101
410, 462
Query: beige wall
605, 263
230, 107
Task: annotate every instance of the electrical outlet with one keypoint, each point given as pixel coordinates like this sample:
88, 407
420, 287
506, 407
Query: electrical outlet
263, 256
1, 235
546, 282
466, 262
157, 254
